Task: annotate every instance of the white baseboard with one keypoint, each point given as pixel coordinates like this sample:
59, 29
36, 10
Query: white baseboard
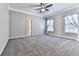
63, 36
37, 34
24, 36
3, 47
11, 38
18, 36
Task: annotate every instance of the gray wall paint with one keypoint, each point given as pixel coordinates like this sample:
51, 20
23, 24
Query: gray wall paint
4, 26
19, 24
58, 24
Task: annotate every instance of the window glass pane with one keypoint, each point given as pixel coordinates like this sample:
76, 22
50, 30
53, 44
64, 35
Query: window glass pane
66, 21
75, 17
70, 19
50, 25
70, 25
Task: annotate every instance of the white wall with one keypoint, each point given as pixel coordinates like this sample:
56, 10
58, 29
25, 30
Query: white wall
19, 24
4, 26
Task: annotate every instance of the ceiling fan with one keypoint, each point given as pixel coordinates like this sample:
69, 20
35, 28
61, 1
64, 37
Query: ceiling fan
44, 7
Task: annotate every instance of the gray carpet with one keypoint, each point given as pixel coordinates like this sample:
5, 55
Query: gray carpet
41, 45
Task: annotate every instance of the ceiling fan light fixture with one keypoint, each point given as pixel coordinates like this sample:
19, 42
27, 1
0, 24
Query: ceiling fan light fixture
43, 10
43, 7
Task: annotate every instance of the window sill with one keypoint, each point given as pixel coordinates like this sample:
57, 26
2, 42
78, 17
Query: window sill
69, 33
50, 31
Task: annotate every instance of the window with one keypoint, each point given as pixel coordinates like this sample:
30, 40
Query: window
50, 25
71, 23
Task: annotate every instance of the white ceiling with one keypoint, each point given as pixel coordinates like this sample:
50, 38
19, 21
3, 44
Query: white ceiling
30, 9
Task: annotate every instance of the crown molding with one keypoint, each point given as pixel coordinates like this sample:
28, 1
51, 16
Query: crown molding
24, 12
45, 16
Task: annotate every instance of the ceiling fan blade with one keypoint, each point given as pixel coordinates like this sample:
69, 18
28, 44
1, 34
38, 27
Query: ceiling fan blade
38, 9
49, 5
41, 6
46, 9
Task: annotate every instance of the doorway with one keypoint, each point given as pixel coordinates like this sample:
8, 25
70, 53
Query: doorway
28, 30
